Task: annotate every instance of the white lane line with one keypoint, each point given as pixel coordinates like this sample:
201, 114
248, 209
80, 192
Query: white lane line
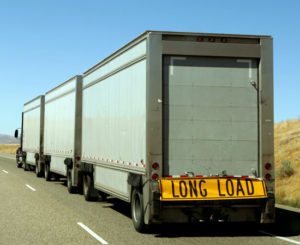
5, 171
92, 233
31, 188
280, 237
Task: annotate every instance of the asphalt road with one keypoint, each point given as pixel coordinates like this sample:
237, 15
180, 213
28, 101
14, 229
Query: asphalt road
33, 211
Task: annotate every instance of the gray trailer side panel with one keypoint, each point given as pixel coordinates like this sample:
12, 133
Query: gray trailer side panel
33, 123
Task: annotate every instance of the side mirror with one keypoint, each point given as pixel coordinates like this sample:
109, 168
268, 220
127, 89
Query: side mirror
16, 133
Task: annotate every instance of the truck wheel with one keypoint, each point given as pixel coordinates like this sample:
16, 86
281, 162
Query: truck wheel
103, 196
19, 164
71, 189
38, 169
137, 211
47, 172
26, 167
89, 192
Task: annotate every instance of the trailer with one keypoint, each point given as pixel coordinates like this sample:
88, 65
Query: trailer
32, 134
62, 132
180, 125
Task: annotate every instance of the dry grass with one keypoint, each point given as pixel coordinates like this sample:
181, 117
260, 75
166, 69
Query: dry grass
9, 148
287, 147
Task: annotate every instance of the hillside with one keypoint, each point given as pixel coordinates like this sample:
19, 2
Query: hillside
287, 146
7, 139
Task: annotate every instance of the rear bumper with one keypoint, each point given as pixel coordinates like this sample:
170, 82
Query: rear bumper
250, 210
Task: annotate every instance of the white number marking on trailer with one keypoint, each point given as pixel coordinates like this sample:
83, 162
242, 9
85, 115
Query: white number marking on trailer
4, 171
280, 237
92, 233
31, 188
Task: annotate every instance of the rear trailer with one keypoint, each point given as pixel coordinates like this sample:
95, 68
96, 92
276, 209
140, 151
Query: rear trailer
32, 132
172, 116
62, 141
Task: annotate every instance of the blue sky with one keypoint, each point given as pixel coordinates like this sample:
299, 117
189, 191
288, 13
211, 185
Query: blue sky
44, 43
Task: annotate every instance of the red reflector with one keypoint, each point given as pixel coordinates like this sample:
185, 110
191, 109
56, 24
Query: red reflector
183, 176
268, 166
245, 176
230, 176
268, 176
211, 39
169, 176
42, 153
155, 176
155, 165
199, 39
78, 158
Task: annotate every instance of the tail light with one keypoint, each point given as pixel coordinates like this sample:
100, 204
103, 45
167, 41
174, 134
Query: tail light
155, 165
154, 176
78, 158
268, 176
268, 166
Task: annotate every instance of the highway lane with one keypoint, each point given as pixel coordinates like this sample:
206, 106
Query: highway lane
33, 211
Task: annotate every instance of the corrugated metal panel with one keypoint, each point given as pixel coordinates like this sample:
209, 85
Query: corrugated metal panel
210, 116
31, 127
104, 176
59, 125
30, 157
114, 117
58, 165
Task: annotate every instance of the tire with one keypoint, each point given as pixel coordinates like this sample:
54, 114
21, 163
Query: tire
56, 176
103, 196
137, 211
19, 164
89, 192
38, 171
71, 189
26, 167
47, 172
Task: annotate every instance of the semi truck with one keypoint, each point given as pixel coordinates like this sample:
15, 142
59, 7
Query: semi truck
180, 125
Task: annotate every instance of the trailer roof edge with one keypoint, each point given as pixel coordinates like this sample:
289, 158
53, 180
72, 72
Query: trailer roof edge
33, 99
144, 34
62, 84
